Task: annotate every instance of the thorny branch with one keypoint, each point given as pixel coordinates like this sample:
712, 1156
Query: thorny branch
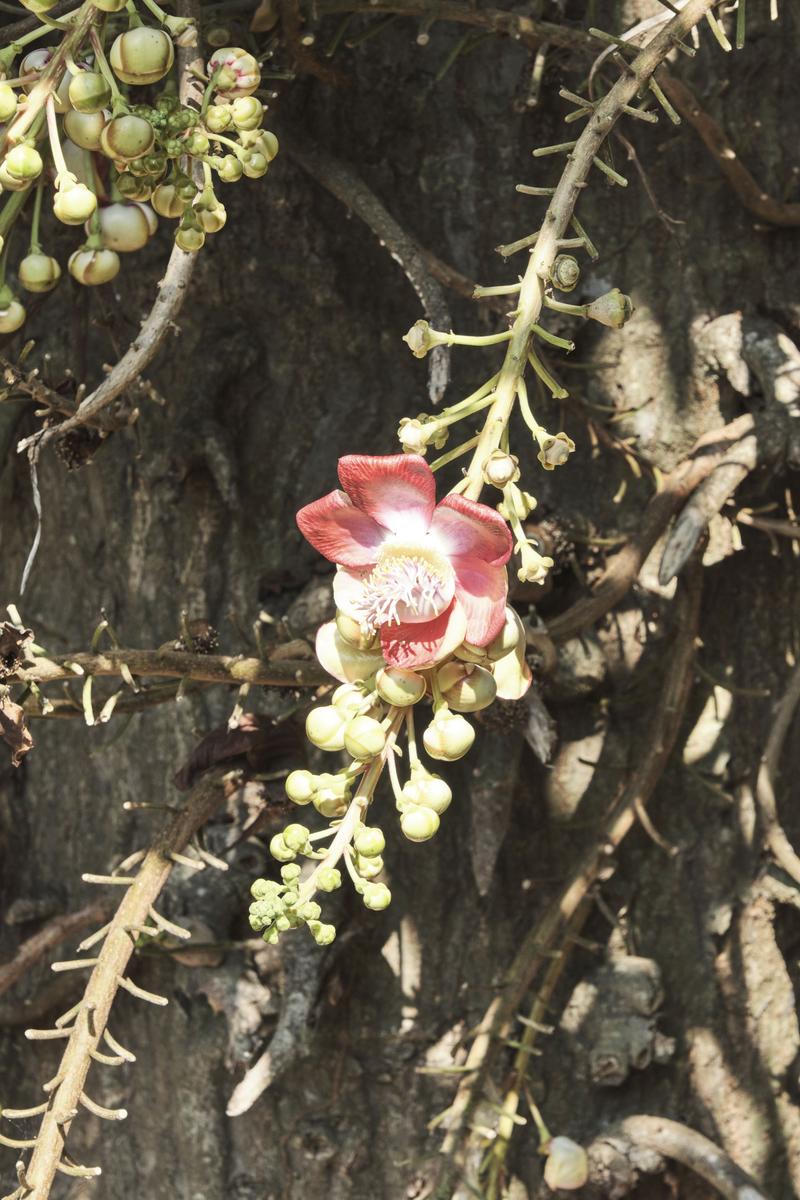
85, 1025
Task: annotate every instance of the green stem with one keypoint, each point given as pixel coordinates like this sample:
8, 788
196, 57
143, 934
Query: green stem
55, 145
209, 91
118, 100
134, 20
155, 9
451, 455
571, 310
35, 247
551, 338
525, 409
558, 392
11, 210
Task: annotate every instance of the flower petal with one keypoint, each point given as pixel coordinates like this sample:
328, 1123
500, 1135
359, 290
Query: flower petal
340, 531
349, 592
421, 645
511, 672
481, 590
397, 490
462, 526
346, 663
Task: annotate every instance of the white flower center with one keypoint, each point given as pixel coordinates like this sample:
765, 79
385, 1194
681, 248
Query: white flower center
408, 584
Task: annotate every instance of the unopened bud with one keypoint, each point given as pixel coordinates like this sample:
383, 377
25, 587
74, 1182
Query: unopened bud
167, 201
428, 791
247, 112
93, 267
567, 1165
142, 55
369, 842
127, 137
508, 638
344, 660
399, 686
555, 450
377, 896
448, 736
296, 837
612, 309
323, 935
84, 129
466, 687
12, 316
219, 117
348, 700
238, 73
89, 92
291, 872
38, 272
325, 728
329, 879
419, 824
23, 163
8, 102
501, 469
279, 850
364, 737
355, 634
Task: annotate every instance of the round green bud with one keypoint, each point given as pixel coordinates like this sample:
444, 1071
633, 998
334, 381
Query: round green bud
132, 188
369, 842
323, 935
282, 923
38, 272
196, 143
89, 92
8, 102
310, 911
465, 687
377, 896
174, 147
419, 824
261, 889
219, 117
125, 227
279, 850
268, 144
329, 805
74, 204
348, 699
448, 736
211, 220
364, 737
254, 164
93, 267
23, 162
399, 686
142, 55
295, 837
290, 872
368, 868
9, 182
230, 169
430, 791
329, 879
355, 634
325, 728
507, 639
247, 112
12, 317
127, 137
190, 239
271, 936
300, 787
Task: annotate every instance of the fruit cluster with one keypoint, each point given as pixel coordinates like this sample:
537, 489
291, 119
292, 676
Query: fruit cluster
76, 118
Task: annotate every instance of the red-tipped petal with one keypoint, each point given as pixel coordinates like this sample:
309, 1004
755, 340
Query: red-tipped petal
340, 531
465, 527
397, 490
481, 591
421, 645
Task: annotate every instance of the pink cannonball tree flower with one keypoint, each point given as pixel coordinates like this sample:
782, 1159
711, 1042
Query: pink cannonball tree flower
425, 576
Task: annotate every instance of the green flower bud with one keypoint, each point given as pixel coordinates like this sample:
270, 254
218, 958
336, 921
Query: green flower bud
23, 162
127, 137
74, 203
9, 182
219, 117
466, 687
323, 935
38, 272
399, 686
310, 911
300, 787
567, 1165
267, 144
196, 143
271, 937
348, 699
290, 872
190, 239
329, 805
137, 190
8, 102
230, 170
247, 112
263, 889
368, 868
84, 129
354, 634
419, 824
448, 736
185, 187
369, 842
142, 55
167, 202
211, 220
239, 73
325, 728
612, 309
329, 879
364, 737
125, 227
12, 316
89, 92
428, 791
93, 267
254, 164
295, 836
278, 849
376, 896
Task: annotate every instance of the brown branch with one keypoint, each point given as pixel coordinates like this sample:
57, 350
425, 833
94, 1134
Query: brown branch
67, 1094
751, 195
27, 25
36, 947
775, 837
687, 1146
624, 568
545, 936
176, 664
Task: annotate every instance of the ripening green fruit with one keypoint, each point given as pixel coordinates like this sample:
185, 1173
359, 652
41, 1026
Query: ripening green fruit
127, 137
8, 102
74, 205
38, 272
89, 92
142, 55
12, 317
93, 267
84, 129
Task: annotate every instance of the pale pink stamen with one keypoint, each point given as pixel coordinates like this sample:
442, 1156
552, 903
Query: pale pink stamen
407, 584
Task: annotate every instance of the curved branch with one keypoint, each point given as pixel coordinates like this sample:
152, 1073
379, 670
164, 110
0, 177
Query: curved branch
695, 1151
776, 839
34, 948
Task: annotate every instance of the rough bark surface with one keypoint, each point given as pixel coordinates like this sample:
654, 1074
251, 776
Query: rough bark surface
289, 355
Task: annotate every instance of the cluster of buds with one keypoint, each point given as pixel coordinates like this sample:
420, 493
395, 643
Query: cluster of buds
98, 118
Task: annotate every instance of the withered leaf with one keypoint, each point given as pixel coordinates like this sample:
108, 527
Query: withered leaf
256, 740
13, 730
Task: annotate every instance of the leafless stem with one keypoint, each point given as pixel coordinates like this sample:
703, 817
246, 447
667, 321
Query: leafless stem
776, 839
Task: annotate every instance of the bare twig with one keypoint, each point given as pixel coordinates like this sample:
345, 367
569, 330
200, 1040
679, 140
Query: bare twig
776, 839
36, 947
87, 1021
